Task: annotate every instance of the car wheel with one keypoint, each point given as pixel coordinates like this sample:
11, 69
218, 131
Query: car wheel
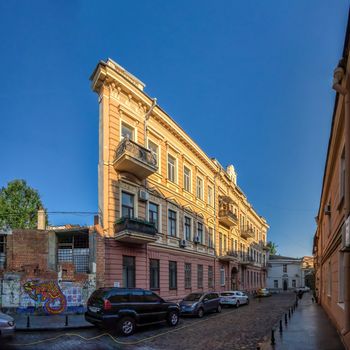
173, 318
200, 313
237, 304
218, 310
126, 326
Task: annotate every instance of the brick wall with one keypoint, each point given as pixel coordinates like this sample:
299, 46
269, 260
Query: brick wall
27, 247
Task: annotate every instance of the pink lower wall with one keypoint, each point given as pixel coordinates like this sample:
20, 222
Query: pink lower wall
114, 251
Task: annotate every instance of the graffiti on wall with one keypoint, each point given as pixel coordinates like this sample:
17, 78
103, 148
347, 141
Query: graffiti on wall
49, 294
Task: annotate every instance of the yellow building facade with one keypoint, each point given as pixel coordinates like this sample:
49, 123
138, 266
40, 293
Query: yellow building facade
173, 219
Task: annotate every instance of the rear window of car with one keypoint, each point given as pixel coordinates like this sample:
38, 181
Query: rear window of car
193, 297
100, 293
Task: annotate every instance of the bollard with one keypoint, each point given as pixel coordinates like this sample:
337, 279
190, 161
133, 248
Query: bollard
272, 337
285, 319
281, 328
28, 321
66, 324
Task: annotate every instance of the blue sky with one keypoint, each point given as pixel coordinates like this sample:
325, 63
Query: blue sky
250, 81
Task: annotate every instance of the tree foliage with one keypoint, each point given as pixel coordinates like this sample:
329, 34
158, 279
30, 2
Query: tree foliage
273, 247
19, 205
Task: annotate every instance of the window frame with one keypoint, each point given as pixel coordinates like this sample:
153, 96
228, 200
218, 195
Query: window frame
150, 217
156, 270
210, 276
174, 180
188, 275
170, 221
200, 271
189, 176
201, 238
199, 189
172, 273
187, 226
122, 205
128, 126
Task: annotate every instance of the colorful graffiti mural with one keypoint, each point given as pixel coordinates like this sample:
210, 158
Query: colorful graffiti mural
49, 294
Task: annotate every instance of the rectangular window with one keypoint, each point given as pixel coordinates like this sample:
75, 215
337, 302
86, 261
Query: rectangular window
188, 228
154, 150
200, 232
341, 278
210, 277
275, 283
187, 179
128, 271
188, 275
2, 251
284, 268
171, 168
222, 276
329, 279
74, 248
127, 131
127, 205
153, 213
154, 273
172, 223
172, 275
211, 238
342, 176
200, 276
210, 196
199, 188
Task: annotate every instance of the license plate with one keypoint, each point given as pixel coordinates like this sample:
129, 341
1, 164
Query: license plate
94, 309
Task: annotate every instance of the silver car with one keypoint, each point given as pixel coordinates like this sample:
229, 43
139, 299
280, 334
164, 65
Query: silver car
7, 325
233, 298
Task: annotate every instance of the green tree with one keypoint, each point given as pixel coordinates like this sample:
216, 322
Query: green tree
19, 205
273, 247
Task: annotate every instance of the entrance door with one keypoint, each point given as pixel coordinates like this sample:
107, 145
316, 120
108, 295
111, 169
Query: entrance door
234, 272
285, 284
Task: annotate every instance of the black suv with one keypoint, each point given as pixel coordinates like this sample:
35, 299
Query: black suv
125, 308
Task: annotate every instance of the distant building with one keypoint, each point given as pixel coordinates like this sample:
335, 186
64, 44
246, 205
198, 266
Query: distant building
332, 239
284, 273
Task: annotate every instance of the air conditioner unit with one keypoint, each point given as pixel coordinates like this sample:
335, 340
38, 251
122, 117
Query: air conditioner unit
196, 239
183, 243
327, 209
143, 195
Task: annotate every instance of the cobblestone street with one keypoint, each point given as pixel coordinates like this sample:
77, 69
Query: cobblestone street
241, 328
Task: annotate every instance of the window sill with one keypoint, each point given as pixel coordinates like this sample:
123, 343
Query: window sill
173, 288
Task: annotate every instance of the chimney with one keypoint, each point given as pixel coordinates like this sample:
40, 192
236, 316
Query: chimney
41, 219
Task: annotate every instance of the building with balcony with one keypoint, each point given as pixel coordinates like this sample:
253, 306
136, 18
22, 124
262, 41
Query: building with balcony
331, 246
172, 219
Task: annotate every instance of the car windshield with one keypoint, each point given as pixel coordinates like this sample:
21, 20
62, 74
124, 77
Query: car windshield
193, 297
227, 294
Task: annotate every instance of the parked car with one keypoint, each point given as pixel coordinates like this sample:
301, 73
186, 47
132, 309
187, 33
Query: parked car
7, 325
233, 298
200, 303
263, 292
127, 308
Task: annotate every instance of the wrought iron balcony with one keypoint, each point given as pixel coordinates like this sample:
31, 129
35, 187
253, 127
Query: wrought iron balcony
230, 255
227, 217
246, 260
135, 159
132, 230
247, 233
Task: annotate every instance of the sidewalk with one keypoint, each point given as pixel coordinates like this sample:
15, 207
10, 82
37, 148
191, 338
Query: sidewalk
309, 328
49, 323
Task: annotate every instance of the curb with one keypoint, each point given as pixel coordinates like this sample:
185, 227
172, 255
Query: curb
54, 328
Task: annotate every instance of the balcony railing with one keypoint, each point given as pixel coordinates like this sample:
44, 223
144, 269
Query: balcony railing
132, 158
133, 230
227, 217
229, 255
247, 233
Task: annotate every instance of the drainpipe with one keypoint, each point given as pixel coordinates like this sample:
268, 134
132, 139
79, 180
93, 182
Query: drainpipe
214, 238
339, 75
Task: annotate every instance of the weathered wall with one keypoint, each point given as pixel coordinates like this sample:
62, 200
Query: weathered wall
31, 284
